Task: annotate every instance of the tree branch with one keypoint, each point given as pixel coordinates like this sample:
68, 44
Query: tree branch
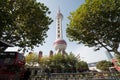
104, 46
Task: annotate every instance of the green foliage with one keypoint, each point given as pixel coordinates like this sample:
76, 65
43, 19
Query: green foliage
44, 62
63, 63
104, 65
57, 63
24, 23
118, 59
81, 66
96, 23
31, 59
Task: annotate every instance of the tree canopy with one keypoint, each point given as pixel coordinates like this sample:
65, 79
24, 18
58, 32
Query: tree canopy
96, 23
104, 65
24, 23
57, 63
31, 59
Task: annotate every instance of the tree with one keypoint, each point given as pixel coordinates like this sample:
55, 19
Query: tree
63, 63
81, 66
96, 23
24, 23
118, 60
57, 62
104, 65
44, 62
71, 61
31, 59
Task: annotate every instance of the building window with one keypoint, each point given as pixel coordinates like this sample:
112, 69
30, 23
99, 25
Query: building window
58, 31
58, 35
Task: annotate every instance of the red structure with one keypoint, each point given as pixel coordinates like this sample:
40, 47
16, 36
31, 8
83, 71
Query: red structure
116, 65
40, 54
11, 65
51, 53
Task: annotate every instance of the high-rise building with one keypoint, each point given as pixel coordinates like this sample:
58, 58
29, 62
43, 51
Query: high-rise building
109, 55
59, 44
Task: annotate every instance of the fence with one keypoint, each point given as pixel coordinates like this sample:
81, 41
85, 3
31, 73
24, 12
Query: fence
76, 76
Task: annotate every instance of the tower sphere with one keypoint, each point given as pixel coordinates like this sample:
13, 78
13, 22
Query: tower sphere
59, 15
60, 44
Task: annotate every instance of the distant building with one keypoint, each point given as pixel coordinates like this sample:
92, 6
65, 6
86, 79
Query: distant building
59, 44
109, 56
92, 66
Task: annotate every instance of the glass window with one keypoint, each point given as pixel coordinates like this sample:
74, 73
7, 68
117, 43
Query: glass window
58, 35
58, 31
21, 57
7, 58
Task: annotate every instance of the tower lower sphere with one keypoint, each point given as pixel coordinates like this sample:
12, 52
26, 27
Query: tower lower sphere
60, 45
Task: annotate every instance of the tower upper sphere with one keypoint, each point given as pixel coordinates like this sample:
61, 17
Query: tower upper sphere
59, 14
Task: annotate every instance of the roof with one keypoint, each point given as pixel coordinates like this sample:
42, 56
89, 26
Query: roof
5, 44
12, 49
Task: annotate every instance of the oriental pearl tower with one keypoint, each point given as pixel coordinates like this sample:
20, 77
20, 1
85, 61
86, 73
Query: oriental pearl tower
59, 44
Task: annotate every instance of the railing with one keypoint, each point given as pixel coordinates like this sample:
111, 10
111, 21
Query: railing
77, 76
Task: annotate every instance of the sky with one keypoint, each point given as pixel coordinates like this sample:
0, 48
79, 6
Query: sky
66, 6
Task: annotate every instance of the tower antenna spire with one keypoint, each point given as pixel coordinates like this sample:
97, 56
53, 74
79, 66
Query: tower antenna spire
59, 9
